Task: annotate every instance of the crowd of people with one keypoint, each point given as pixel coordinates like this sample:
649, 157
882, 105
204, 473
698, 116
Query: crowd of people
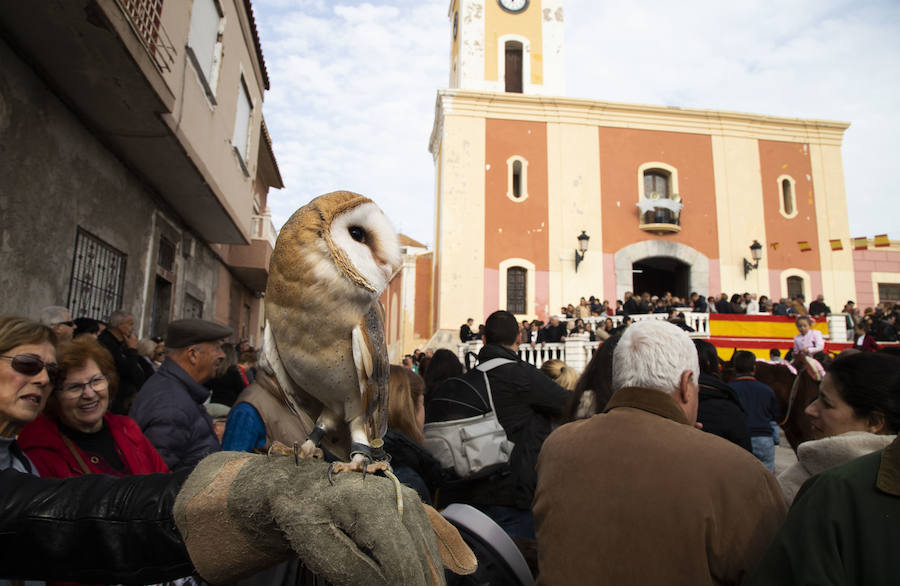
593, 317
658, 446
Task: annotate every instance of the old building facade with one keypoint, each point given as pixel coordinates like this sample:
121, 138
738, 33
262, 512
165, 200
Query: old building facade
136, 164
671, 199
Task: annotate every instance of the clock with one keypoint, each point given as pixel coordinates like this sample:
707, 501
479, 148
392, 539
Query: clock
513, 6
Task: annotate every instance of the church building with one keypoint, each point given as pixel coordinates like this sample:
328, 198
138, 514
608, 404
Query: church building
542, 199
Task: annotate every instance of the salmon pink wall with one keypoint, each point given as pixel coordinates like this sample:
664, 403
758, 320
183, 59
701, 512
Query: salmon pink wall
421, 325
516, 228
622, 152
788, 158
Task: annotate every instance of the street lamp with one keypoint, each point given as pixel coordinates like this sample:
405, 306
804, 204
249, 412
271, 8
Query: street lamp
756, 254
582, 248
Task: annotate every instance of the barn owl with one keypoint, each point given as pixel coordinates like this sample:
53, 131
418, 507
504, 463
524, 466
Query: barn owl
324, 335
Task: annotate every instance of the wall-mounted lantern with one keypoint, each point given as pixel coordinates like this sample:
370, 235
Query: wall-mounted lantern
582, 248
756, 254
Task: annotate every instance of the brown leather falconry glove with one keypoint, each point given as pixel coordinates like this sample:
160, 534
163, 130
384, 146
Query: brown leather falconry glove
240, 513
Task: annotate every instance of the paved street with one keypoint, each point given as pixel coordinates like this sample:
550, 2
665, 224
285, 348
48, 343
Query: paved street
784, 455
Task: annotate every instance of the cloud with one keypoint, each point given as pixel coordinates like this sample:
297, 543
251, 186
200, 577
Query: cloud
354, 83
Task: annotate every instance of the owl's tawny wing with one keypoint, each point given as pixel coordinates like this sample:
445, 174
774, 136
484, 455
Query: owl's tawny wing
371, 358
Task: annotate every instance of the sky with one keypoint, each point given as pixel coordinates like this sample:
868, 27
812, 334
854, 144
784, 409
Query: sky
353, 86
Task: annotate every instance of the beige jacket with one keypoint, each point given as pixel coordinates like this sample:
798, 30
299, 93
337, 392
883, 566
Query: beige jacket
817, 456
637, 495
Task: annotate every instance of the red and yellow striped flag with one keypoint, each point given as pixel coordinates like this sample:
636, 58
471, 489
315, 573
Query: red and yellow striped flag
860, 243
882, 240
836, 244
804, 246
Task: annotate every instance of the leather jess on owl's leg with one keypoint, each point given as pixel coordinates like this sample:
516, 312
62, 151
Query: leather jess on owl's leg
326, 422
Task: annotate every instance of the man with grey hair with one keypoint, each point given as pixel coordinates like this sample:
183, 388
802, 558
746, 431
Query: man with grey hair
119, 338
638, 494
58, 319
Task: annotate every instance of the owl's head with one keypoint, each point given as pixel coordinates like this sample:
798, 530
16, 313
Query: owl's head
338, 241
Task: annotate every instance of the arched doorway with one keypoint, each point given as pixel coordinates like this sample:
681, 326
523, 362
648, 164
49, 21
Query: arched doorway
693, 262
657, 275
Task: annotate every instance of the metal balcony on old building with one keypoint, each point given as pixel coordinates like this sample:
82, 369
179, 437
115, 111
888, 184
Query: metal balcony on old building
660, 214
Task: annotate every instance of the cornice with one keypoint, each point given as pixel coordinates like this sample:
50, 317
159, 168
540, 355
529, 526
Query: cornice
616, 114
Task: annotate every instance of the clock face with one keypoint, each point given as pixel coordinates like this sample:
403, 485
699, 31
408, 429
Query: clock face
513, 5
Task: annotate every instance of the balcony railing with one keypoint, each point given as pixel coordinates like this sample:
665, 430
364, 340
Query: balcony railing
660, 214
145, 18
262, 228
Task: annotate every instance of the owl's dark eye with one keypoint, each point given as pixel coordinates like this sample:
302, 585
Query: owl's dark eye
357, 234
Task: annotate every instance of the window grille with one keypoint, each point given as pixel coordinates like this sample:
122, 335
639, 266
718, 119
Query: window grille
889, 292
166, 257
98, 277
516, 290
794, 286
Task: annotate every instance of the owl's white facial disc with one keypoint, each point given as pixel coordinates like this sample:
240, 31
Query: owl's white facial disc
370, 242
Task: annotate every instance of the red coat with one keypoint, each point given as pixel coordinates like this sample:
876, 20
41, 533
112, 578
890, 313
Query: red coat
42, 442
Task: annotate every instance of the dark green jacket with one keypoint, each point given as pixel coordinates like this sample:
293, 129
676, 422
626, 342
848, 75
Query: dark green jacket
844, 527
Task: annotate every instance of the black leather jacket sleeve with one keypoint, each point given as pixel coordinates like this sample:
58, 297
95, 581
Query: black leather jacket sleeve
92, 528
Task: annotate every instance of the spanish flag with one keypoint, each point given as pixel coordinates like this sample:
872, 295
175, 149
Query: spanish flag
836, 244
860, 243
804, 246
882, 240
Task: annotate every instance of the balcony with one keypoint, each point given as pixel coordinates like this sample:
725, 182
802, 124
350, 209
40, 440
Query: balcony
250, 263
660, 214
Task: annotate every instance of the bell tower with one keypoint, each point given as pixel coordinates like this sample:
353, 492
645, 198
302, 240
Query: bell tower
507, 46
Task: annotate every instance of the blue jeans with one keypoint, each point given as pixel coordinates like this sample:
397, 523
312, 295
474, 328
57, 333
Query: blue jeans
516, 522
764, 449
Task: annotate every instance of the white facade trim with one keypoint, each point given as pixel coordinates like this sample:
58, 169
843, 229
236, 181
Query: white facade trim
523, 178
795, 272
781, 208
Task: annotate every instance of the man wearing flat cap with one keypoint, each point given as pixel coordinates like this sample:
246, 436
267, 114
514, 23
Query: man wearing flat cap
169, 408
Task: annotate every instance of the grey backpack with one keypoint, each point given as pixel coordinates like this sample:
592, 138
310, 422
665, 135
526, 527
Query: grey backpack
473, 444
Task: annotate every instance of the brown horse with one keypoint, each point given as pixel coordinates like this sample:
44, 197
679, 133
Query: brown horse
794, 394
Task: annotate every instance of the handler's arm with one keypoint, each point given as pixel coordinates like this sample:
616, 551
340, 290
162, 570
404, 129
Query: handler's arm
95, 529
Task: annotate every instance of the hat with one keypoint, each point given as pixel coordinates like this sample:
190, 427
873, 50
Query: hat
187, 332
217, 410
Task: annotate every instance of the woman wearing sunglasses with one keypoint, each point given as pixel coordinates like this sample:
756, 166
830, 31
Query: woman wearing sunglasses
27, 367
76, 435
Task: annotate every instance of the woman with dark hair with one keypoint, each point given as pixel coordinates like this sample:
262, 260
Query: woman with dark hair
76, 434
863, 340
857, 412
594, 386
230, 380
735, 303
413, 465
443, 365
720, 410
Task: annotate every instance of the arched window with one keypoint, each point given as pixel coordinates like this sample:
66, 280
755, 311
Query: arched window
787, 196
516, 290
516, 178
656, 184
794, 286
513, 71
